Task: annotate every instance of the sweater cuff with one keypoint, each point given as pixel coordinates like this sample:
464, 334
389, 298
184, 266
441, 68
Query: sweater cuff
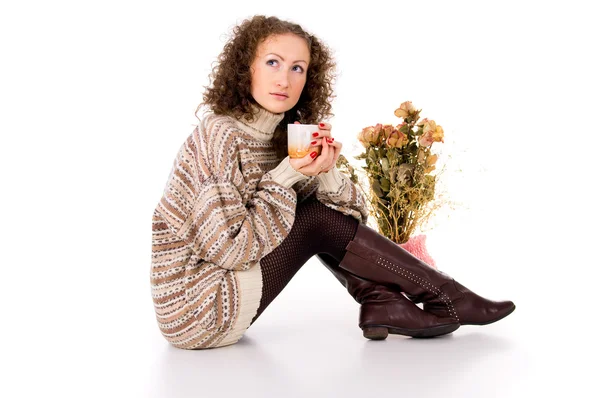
284, 174
330, 181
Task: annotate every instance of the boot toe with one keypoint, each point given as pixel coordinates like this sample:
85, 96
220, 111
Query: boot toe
493, 312
503, 309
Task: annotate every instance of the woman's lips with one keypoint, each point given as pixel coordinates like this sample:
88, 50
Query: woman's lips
280, 97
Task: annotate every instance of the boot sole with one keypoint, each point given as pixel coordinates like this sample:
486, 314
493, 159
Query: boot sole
380, 332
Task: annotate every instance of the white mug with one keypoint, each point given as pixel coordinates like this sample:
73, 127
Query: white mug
299, 139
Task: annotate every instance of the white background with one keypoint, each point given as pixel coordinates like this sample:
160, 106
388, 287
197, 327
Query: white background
97, 97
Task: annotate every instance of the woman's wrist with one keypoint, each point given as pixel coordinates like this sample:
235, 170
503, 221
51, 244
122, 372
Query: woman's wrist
331, 180
284, 174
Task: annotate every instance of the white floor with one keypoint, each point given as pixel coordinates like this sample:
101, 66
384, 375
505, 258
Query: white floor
311, 346
308, 344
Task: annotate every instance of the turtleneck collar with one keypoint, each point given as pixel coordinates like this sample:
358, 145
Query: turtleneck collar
264, 124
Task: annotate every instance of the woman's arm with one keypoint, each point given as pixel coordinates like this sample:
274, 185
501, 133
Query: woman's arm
338, 192
205, 207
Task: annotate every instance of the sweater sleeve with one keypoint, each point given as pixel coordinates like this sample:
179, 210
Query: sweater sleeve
224, 224
338, 192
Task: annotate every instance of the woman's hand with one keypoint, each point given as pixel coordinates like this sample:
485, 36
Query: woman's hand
310, 165
330, 152
331, 148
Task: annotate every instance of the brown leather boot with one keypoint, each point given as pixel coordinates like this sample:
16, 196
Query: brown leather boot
375, 257
384, 310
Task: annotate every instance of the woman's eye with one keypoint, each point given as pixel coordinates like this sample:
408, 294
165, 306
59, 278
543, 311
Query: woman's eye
298, 68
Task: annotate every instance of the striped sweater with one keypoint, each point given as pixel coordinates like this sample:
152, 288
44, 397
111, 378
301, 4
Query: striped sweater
228, 202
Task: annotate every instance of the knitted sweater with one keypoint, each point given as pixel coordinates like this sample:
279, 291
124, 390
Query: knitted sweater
228, 202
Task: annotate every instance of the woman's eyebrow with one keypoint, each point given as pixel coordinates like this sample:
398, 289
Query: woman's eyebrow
300, 60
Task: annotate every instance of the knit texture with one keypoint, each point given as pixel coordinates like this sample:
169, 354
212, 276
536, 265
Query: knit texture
228, 202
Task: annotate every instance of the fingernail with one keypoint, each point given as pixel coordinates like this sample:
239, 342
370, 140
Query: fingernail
315, 134
313, 155
313, 143
321, 124
330, 140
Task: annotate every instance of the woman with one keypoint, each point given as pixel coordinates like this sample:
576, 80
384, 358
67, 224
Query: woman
238, 218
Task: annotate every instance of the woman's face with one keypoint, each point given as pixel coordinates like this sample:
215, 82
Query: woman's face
279, 67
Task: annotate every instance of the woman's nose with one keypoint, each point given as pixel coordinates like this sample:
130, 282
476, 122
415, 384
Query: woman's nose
282, 80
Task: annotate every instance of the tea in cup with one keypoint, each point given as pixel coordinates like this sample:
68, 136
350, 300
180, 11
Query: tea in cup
299, 139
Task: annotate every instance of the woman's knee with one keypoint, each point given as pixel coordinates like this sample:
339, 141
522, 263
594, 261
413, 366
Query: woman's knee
318, 219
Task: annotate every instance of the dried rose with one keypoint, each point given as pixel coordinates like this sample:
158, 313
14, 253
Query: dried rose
438, 135
431, 133
397, 139
429, 125
405, 108
377, 129
369, 136
387, 130
426, 139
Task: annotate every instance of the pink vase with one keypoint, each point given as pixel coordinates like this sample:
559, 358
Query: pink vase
416, 246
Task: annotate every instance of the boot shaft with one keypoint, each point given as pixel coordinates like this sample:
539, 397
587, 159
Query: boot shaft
362, 290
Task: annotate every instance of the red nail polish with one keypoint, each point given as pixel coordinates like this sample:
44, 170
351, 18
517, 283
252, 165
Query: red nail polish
321, 124
315, 134
313, 155
313, 143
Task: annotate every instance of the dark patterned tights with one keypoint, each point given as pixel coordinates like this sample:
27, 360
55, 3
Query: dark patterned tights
316, 229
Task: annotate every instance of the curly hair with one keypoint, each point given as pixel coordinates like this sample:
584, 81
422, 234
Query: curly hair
229, 90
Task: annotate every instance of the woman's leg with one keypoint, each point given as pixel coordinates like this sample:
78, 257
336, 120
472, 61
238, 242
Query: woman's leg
313, 225
320, 229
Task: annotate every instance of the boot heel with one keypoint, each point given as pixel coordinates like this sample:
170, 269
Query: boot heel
375, 332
